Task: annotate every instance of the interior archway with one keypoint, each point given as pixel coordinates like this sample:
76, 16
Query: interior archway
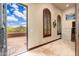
59, 27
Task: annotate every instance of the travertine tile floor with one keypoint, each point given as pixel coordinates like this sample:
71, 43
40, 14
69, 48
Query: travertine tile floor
16, 45
58, 48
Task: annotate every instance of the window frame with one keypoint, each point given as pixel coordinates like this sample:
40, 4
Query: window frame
47, 14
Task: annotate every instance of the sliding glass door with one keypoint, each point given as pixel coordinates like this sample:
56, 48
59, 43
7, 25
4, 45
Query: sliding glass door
16, 21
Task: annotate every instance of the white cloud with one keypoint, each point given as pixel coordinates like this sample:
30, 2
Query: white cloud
23, 24
19, 14
15, 6
15, 26
7, 11
24, 12
12, 26
11, 18
11, 9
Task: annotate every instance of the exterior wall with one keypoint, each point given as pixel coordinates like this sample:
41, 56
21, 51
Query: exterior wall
67, 24
35, 24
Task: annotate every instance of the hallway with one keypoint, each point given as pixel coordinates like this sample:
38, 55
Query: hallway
58, 48
48, 23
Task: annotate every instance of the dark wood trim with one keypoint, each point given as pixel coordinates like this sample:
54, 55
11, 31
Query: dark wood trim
47, 35
27, 28
76, 29
43, 44
58, 33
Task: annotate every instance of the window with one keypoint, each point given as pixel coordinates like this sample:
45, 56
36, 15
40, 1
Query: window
46, 23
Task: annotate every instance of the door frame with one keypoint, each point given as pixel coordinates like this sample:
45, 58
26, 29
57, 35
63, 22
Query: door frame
26, 25
59, 16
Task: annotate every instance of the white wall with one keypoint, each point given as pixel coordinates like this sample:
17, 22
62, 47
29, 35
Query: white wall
67, 24
35, 24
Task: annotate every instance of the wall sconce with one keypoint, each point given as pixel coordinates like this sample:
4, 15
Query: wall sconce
54, 23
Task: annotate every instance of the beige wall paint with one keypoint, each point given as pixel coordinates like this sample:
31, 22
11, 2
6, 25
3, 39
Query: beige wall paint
35, 24
67, 24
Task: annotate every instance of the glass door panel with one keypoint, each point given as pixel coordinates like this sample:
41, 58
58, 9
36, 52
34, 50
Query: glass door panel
16, 28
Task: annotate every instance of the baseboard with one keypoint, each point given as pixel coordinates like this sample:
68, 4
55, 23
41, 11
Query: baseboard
42, 44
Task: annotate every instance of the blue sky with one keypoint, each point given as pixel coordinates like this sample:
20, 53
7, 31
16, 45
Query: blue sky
16, 15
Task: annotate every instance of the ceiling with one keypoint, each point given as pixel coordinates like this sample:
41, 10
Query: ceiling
64, 6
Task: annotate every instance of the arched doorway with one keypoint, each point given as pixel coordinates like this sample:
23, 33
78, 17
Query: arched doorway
59, 26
